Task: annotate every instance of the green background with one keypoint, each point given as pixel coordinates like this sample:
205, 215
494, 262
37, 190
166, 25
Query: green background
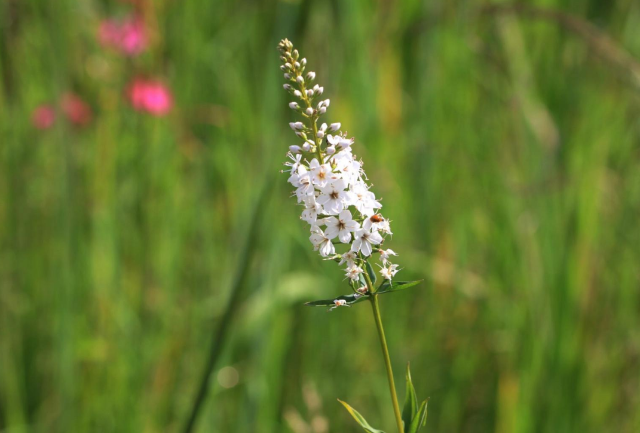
504, 144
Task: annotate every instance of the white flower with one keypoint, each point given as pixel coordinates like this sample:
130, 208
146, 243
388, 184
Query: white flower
339, 303
388, 272
363, 199
303, 183
350, 168
384, 255
333, 196
345, 142
311, 211
377, 222
321, 242
320, 174
354, 272
341, 226
364, 240
349, 258
296, 162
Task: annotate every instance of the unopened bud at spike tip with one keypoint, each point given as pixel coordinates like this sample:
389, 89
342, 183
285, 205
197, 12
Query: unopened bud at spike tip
293, 105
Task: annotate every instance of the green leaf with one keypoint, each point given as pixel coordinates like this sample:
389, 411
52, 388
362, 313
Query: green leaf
420, 419
387, 287
370, 271
351, 299
410, 408
360, 419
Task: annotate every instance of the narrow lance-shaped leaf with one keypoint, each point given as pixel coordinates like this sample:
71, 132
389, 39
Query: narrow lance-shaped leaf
410, 408
419, 420
360, 419
351, 299
387, 287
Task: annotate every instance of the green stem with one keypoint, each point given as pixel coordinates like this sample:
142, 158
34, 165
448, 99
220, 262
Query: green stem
385, 353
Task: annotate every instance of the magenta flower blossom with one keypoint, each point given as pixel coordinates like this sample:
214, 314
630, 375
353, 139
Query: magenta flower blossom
43, 117
128, 36
150, 96
75, 109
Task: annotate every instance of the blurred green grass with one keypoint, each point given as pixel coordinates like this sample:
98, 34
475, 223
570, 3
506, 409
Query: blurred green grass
506, 152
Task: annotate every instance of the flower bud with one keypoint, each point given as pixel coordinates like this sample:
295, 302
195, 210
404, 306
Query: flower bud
287, 66
345, 142
320, 134
286, 86
309, 111
282, 68
304, 62
335, 126
296, 54
301, 135
319, 90
297, 126
322, 110
294, 105
297, 93
311, 76
297, 65
295, 149
299, 79
331, 150
307, 145
323, 127
309, 93
287, 76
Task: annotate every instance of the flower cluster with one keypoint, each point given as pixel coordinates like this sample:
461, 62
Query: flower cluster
128, 37
330, 182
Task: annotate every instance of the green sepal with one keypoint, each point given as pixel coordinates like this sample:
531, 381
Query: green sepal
372, 274
394, 286
351, 299
420, 419
360, 419
410, 409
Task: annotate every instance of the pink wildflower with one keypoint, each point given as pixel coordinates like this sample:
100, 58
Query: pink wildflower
75, 109
151, 96
128, 36
43, 117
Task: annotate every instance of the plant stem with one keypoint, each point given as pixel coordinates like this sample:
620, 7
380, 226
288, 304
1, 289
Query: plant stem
387, 360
